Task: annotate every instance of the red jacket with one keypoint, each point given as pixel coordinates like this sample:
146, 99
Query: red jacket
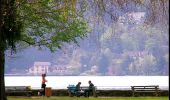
43, 80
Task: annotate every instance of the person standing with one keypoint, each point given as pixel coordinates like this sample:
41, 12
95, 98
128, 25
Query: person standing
43, 85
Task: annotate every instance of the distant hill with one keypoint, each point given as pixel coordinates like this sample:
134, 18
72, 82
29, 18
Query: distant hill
128, 47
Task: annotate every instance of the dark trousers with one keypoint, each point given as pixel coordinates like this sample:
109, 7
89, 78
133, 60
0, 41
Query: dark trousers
43, 87
88, 92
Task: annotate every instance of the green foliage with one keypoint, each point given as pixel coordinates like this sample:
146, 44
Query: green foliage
11, 26
51, 23
47, 25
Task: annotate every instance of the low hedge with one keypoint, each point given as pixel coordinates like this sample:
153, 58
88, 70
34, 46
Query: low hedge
110, 93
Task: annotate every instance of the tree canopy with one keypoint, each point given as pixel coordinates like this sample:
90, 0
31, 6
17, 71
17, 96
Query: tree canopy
42, 23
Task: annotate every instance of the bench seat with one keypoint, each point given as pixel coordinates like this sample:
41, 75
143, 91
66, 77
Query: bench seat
151, 88
15, 90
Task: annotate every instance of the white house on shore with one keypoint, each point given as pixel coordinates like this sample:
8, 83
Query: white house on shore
132, 17
39, 68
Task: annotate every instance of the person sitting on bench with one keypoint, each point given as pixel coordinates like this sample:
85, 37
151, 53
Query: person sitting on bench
90, 89
78, 90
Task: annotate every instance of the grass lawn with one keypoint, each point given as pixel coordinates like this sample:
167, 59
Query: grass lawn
91, 98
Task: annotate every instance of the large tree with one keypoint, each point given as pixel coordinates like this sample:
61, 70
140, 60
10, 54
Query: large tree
51, 22
42, 23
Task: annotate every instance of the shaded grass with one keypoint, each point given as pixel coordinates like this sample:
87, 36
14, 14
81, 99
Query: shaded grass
91, 98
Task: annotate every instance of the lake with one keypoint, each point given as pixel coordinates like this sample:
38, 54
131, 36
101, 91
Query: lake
102, 82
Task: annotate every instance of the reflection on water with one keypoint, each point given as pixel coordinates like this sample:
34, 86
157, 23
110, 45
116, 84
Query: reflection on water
102, 82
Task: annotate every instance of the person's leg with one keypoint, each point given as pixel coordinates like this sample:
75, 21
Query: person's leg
90, 92
85, 93
44, 91
78, 93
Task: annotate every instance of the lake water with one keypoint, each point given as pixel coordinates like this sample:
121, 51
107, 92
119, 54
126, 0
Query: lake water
102, 82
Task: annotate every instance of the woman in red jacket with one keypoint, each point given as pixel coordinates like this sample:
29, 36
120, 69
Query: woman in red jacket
43, 85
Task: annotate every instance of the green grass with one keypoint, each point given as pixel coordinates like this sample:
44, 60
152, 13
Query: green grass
91, 98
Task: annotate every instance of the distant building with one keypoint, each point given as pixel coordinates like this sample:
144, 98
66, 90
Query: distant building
136, 54
39, 68
132, 17
58, 70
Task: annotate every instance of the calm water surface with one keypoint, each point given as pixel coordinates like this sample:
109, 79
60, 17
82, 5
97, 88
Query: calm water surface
102, 82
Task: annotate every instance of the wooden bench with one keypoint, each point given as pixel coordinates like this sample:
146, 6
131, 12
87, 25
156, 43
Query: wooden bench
72, 90
26, 90
150, 88
95, 92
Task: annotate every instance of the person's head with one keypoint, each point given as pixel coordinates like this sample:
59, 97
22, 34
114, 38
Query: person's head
89, 81
43, 75
79, 82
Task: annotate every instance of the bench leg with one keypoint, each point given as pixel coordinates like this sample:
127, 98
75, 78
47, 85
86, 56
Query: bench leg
133, 94
28, 94
69, 94
95, 95
156, 94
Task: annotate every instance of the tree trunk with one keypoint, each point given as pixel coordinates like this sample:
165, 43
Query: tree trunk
2, 82
2, 56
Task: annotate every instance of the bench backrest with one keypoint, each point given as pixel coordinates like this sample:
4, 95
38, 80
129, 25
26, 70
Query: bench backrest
71, 88
86, 87
17, 88
145, 88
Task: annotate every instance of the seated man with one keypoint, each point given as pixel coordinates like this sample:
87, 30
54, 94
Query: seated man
78, 90
90, 89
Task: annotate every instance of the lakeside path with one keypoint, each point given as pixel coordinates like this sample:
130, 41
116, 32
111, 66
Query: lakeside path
83, 98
